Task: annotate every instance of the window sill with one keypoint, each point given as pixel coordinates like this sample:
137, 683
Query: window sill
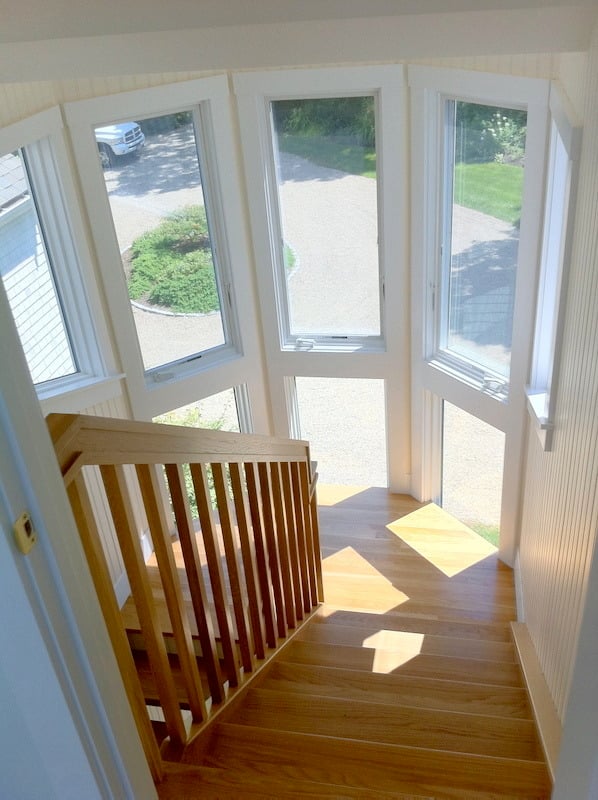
334, 345
78, 394
537, 406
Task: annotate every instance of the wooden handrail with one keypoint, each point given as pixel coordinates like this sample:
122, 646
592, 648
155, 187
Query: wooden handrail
221, 592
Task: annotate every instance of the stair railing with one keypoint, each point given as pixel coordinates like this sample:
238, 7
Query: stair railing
251, 565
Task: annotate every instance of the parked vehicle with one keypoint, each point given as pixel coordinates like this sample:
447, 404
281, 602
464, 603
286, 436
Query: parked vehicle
117, 140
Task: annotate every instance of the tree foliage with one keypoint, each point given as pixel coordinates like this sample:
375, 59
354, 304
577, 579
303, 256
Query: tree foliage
489, 133
328, 116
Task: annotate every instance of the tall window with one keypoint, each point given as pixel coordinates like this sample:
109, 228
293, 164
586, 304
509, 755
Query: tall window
158, 198
483, 182
28, 276
328, 264
560, 193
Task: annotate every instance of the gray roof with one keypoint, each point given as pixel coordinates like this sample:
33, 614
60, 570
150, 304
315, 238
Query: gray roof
13, 183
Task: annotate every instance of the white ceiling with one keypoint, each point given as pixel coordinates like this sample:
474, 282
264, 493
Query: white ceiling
35, 20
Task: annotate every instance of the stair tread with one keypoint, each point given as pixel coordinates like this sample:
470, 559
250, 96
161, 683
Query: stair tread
450, 695
375, 766
183, 782
431, 666
403, 621
382, 638
393, 724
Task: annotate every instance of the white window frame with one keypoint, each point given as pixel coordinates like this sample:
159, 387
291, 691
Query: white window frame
255, 93
434, 380
42, 138
561, 190
431, 88
208, 100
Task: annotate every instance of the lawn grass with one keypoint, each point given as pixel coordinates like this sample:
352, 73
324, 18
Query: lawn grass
492, 188
351, 158
490, 533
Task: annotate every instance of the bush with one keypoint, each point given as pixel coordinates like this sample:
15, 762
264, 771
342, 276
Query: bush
172, 264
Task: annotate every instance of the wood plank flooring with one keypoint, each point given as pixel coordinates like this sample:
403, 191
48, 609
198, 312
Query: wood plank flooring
405, 683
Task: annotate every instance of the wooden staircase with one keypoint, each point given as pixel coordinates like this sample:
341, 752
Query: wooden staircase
423, 699
403, 684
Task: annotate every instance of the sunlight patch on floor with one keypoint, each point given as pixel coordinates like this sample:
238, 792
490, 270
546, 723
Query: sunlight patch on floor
441, 539
393, 649
356, 584
330, 495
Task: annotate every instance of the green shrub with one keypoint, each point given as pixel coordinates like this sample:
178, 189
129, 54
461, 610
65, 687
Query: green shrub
172, 264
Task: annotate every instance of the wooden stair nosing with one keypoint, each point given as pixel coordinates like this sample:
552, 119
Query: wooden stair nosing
392, 724
431, 644
182, 781
367, 765
375, 601
414, 691
404, 621
431, 666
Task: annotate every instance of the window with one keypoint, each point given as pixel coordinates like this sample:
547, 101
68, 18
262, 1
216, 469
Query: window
328, 264
327, 220
217, 412
157, 169
28, 276
41, 263
158, 201
483, 182
344, 420
563, 156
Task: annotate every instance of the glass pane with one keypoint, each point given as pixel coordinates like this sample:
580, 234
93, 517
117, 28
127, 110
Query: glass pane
326, 170
344, 420
154, 185
486, 161
218, 412
27, 276
472, 469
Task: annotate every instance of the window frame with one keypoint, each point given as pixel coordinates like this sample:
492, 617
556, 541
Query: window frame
432, 380
42, 140
559, 214
432, 88
208, 100
255, 93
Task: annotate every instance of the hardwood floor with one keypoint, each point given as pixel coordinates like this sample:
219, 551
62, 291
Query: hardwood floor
404, 684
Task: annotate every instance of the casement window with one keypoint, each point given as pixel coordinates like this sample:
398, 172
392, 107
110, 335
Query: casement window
40, 260
478, 153
481, 145
314, 144
561, 180
155, 165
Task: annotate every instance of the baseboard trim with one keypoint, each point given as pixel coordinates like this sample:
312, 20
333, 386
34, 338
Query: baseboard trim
549, 725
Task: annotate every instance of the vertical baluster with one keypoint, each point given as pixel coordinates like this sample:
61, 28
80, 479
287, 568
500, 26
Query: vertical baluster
197, 588
309, 541
173, 595
124, 523
249, 562
91, 541
212, 545
273, 557
283, 545
301, 539
236, 585
261, 555
315, 529
285, 472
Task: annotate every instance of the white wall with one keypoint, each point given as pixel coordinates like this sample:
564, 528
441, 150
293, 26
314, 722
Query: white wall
332, 41
560, 510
